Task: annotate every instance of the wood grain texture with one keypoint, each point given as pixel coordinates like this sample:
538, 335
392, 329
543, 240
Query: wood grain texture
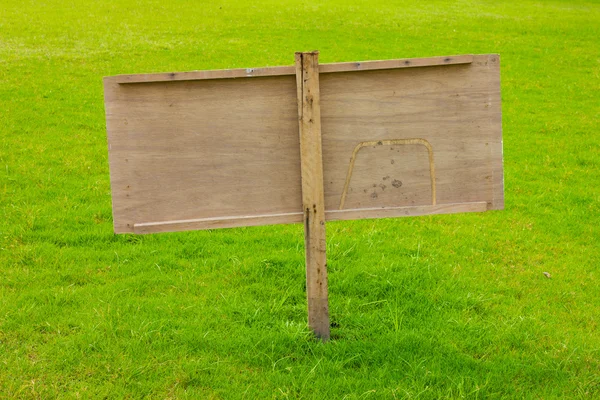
290, 218
494, 127
277, 71
228, 149
456, 108
203, 149
311, 167
395, 64
410, 211
407, 145
216, 223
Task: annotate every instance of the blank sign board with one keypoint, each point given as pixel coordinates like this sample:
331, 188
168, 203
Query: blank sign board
209, 149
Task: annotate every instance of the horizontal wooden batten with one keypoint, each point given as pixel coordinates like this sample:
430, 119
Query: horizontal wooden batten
413, 211
215, 223
278, 71
393, 64
290, 218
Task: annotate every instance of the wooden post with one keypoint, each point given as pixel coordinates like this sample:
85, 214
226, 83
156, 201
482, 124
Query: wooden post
309, 117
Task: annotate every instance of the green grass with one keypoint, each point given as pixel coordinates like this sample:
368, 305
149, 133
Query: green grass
434, 307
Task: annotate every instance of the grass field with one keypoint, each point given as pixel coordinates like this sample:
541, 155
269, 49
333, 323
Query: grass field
434, 307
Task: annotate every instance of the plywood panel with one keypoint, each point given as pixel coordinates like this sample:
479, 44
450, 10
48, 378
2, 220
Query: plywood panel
203, 149
455, 108
194, 151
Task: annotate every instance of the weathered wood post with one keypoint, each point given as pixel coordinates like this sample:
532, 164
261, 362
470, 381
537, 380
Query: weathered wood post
311, 160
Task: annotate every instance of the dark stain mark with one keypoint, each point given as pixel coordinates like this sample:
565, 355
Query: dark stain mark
447, 59
171, 105
306, 224
374, 185
382, 186
406, 62
396, 183
392, 161
385, 178
374, 195
172, 75
322, 222
379, 143
365, 190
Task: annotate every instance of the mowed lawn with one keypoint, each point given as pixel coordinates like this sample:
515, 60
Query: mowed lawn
453, 306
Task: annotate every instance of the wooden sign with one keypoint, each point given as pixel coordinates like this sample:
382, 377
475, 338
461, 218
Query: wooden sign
310, 143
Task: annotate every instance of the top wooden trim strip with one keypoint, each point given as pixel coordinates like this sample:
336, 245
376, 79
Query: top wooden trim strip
393, 64
278, 71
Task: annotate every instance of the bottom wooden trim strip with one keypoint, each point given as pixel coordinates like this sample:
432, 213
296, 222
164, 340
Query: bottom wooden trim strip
215, 223
413, 211
290, 218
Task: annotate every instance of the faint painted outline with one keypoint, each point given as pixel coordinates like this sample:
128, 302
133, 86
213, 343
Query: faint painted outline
389, 142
